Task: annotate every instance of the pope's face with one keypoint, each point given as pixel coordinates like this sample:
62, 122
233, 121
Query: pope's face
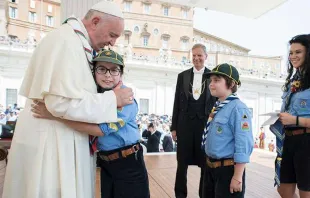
106, 31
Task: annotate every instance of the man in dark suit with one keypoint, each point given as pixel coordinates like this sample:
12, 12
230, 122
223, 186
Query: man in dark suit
145, 134
192, 105
167, 143
153, 139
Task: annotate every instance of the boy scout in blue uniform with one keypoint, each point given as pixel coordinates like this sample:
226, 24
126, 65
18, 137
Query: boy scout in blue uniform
227, 139
120, 155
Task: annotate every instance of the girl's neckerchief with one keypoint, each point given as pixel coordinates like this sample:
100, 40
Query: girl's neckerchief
295, 86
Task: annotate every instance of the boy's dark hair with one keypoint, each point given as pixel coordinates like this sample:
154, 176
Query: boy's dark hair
229, 82
151, 125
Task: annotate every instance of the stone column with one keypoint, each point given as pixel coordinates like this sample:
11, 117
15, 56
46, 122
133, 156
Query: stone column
160, 98
169, 97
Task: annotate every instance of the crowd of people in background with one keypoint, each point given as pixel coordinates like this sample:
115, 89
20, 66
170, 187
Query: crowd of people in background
11, 112
8, 116
155, 133
154, 130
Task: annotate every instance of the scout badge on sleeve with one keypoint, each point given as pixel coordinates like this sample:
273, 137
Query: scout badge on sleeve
303, 104
245, 126
219, 129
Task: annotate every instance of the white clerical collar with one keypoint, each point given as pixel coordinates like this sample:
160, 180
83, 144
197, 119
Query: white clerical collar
200, 71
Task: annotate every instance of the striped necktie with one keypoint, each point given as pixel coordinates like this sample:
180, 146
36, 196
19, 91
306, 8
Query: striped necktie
217, 107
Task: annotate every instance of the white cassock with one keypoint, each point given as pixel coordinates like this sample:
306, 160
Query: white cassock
2, 174
47, 159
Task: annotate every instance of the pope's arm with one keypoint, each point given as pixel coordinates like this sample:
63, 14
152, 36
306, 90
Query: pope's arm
91, 108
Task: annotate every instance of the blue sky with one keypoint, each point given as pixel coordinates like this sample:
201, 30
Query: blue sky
267, 35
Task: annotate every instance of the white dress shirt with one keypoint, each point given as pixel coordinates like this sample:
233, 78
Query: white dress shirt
197, 82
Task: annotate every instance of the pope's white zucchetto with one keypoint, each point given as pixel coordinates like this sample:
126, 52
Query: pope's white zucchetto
108, 7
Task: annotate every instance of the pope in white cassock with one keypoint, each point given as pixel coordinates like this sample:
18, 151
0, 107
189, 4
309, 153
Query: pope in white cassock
48, 159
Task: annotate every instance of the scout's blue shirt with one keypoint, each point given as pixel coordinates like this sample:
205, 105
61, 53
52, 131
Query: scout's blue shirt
299, 105
125, 132
230, 133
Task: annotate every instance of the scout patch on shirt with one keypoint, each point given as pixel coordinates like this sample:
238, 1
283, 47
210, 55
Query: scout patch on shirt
303, 104
113, 126
219, 129
245, 126
121, 122
245, 116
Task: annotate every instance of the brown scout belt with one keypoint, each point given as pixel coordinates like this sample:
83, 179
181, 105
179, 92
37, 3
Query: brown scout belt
124, 153
220, 163
292, 132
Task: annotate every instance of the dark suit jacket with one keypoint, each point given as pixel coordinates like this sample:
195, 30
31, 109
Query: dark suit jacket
189, 136
153, 142
167, 144
182, 94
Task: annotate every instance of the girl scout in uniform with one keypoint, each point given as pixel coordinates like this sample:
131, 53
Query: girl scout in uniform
292, 129
120, 156
227, 139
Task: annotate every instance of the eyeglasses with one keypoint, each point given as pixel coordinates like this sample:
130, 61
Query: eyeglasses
103, 70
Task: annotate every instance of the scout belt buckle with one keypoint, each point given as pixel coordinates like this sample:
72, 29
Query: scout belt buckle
135, 148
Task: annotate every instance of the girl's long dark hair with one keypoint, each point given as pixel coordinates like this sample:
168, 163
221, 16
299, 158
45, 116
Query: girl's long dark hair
304, 40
